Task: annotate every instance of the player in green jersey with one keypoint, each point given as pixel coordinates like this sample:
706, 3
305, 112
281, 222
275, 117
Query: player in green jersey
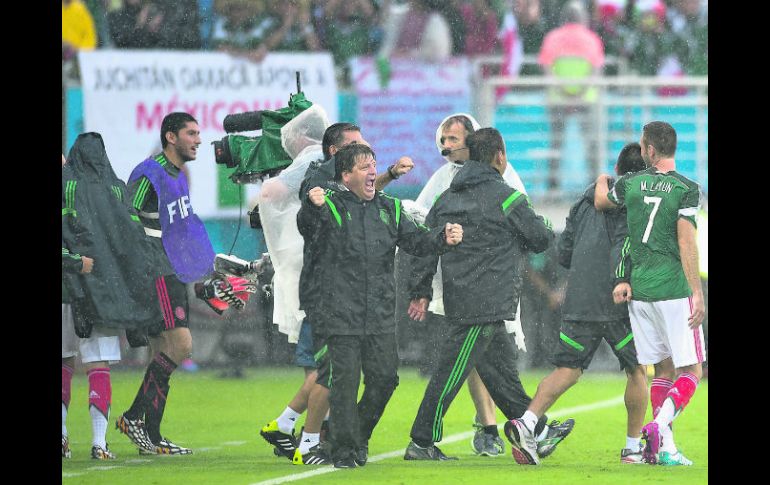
665, 296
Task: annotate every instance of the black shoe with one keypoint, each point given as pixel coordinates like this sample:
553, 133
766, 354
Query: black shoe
556, 433
362, 454
432, 452
314, 456
284, 443
347, 462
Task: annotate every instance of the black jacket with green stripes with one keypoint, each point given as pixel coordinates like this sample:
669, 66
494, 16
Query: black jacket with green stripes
499, 225
356, 243
98, 222
588, 247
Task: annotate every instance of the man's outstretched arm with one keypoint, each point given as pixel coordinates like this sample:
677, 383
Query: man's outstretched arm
601, 200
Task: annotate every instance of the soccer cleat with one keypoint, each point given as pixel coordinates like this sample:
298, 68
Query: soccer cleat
651, 437
136, 432
314, 456
556, 433
362, 455
673, 459
484, 444
347, 462
285, 443
631, 457
65, 447
414, 452
523, 444
99, 453
166, 447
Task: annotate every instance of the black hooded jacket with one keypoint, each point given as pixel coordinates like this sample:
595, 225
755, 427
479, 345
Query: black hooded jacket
588, 248
98, 222
356, 242
499, 224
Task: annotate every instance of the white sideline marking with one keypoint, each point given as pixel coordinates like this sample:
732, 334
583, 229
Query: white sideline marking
448, 439
144, 460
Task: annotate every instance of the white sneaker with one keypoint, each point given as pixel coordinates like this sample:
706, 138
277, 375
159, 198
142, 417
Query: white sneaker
523, 443
631, 457
673, 459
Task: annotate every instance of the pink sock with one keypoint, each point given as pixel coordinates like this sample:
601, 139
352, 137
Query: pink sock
658, 392
678, 397
66, 384
682, 390
100, 390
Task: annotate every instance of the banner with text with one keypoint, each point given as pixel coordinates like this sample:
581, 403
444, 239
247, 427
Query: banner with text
127, 93
402, 118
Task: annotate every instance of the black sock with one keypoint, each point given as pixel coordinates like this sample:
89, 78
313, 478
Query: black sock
156, 393
492, 430
155, 380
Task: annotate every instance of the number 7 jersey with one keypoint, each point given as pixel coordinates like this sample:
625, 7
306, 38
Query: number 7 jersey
654, 202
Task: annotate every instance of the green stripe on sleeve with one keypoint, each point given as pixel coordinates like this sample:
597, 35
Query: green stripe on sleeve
508, 203
333, 209
620, 271
398, 211
571, 342
141, 193
69, 194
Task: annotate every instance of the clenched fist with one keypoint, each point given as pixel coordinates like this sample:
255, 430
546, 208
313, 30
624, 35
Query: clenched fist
453, 233
403, 166
316, 196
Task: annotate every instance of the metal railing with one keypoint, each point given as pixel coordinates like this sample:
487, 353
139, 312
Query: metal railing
623, 105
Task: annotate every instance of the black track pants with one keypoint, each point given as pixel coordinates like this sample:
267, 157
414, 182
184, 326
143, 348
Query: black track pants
488, 348
351, 424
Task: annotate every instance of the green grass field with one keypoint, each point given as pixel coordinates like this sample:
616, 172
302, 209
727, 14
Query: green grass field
220, 419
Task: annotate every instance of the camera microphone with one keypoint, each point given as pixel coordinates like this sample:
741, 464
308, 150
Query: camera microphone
447, 151
248, 121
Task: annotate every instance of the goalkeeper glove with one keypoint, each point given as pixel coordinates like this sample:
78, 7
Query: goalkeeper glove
218, 294
241, 289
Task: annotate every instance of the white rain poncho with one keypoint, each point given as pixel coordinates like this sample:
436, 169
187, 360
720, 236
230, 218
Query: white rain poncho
438, 183
278, 206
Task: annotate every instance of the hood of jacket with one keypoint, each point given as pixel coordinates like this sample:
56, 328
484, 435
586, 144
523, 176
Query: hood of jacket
88, 159
474, 173
474, 123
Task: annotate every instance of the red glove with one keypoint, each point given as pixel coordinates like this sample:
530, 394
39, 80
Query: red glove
242, 287
217, 293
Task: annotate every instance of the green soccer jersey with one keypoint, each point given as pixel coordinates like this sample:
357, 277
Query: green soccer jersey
655, 201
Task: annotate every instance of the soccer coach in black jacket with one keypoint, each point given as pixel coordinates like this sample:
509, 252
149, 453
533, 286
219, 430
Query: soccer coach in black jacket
479, 291
356, 232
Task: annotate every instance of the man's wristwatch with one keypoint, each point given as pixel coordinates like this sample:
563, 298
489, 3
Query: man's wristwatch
392, 174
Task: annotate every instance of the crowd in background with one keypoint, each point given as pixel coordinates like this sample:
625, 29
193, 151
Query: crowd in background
650, 37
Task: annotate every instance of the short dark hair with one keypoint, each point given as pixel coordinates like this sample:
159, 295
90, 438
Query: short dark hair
630, 159
484, 145
462, 119
345, 159
333, 136
174, 122
662, 136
